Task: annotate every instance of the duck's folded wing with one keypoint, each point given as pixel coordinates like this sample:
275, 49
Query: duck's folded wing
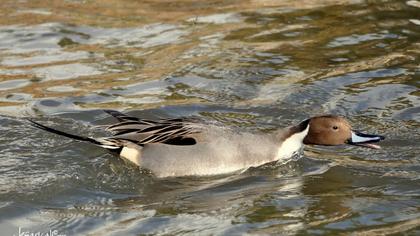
121, 117
170, 131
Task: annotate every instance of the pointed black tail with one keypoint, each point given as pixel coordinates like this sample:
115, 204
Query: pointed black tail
72, 136
107, 143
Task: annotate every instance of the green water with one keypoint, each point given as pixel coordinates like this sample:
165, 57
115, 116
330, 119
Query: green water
253, 64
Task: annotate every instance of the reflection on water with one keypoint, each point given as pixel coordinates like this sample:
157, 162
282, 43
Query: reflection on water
255, 64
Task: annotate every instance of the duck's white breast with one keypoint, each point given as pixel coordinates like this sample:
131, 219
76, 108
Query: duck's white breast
292, 145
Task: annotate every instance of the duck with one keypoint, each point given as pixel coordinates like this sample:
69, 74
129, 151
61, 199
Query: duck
192, 147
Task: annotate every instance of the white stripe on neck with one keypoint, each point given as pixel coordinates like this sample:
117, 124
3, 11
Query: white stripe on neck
292, 144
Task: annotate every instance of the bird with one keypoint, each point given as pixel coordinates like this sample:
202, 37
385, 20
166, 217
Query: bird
189, 146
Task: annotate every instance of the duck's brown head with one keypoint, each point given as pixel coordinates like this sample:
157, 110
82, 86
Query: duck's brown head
335, 130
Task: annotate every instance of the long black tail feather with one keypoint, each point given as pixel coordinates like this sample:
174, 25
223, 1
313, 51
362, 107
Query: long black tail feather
68, 135
110, 144
107, 143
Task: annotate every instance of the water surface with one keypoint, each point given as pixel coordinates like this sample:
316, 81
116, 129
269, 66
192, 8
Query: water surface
253, 64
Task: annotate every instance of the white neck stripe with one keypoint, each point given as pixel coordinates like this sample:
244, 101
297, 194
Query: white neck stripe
292, 144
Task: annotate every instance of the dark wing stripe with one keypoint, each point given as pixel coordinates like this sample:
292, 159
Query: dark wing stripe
132, 124
182, 132
166, 129
150, 139
121, 124
148, 131
156, 129
125, 131
120, 116
158, 137
126, 127
149, 122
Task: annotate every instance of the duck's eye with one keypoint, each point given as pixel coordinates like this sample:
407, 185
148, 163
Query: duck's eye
335, 127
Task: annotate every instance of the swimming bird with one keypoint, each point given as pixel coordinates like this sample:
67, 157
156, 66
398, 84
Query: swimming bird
188, 146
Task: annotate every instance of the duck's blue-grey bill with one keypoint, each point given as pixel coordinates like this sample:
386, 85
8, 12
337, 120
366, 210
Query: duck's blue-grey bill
365, 140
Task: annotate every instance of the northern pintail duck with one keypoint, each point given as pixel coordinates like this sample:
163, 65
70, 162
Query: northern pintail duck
182, 147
